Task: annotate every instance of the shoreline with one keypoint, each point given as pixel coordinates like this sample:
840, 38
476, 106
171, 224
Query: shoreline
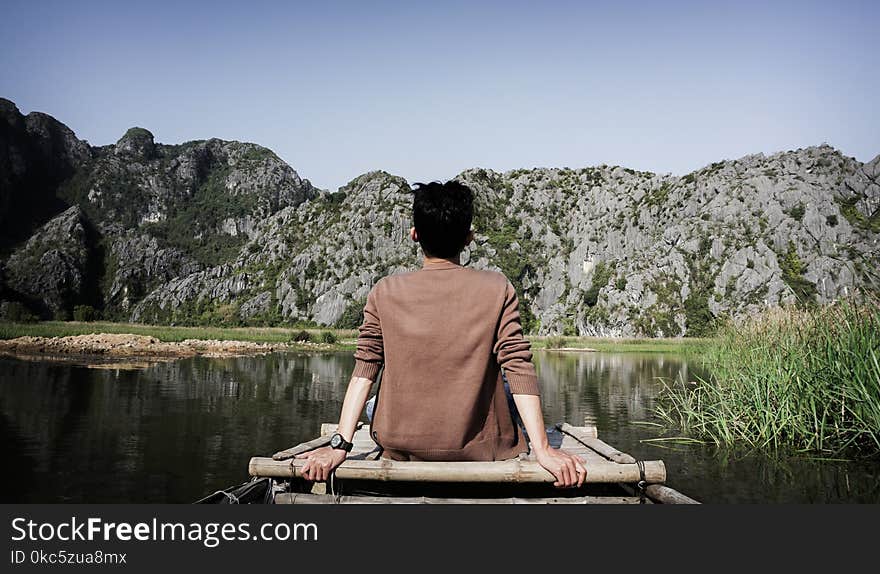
130, 341
115, 350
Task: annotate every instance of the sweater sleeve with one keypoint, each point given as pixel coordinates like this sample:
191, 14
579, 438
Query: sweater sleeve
370, 353
512, 350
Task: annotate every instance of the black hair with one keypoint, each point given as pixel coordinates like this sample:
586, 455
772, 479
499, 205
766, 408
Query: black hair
442, 216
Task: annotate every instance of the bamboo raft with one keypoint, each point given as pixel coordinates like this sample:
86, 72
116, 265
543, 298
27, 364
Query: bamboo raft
613, 477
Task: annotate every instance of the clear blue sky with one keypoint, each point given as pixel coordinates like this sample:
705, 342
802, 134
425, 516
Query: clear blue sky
427, 89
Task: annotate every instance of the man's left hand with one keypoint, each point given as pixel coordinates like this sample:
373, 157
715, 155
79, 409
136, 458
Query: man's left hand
321, 462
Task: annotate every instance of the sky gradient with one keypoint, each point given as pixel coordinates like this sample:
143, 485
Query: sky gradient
427, 89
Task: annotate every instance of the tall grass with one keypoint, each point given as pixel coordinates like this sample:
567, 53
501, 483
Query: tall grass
808, 379
555, 342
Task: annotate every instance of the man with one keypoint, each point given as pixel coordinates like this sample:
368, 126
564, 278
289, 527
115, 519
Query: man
449, 339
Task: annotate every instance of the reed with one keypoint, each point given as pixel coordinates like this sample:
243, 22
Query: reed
808, 379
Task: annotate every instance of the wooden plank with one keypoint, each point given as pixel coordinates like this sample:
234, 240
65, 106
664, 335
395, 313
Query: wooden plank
609, 451
574, 447
319, 442
365, 454
587, 430
301, 448
508, 471
587, 455
303, 498
656, 492
571, 446
595, 444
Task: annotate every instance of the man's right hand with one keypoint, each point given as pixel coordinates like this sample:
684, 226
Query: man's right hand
568, 469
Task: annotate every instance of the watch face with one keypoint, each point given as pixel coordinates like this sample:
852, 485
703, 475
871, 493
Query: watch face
336, 440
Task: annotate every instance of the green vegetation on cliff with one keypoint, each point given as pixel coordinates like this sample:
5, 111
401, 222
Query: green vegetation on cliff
224, 233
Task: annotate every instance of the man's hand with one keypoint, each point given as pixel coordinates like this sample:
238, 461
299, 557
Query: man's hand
321, 462
569, 470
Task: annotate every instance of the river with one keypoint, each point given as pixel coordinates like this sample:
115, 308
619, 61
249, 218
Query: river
176, 431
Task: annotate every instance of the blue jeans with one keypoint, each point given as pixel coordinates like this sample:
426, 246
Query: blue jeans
370, 407
514, 413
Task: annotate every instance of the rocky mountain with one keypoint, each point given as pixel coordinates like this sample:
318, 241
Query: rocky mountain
37, 153
127, 218
216, 232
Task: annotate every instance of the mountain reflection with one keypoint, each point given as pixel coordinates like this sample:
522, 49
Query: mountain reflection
176, 431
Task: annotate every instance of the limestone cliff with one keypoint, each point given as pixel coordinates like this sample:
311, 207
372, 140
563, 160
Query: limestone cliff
225, 232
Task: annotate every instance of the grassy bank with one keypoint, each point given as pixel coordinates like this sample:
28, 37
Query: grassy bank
344, 337
621, 345
803, 379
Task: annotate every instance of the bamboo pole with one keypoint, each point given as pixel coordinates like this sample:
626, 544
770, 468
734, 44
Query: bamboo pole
665, 495
597, 445
303, 498
508, 471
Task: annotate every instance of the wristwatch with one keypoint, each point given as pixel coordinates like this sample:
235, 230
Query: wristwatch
337, 441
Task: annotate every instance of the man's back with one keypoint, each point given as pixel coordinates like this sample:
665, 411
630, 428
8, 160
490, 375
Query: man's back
443, 333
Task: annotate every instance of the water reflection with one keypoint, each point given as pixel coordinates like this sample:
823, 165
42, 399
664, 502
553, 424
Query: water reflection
170, 432
175, 431
602, 389
616, 391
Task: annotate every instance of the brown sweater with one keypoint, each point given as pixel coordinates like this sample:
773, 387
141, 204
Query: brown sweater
443, 334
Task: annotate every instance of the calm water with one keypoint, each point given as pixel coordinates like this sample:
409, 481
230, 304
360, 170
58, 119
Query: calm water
174, 432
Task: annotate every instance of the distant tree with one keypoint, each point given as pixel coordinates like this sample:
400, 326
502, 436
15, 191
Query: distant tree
84, 313
302, 336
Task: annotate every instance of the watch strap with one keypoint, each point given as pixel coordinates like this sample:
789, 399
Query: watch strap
343, 444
